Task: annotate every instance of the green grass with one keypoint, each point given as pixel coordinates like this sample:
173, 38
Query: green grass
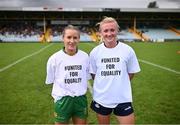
26, 99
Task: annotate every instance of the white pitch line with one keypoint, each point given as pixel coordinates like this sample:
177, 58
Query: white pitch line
153, 64
143, 61
159, 66
146, 62
21, 59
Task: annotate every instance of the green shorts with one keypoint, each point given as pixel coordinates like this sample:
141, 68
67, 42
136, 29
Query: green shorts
68, 107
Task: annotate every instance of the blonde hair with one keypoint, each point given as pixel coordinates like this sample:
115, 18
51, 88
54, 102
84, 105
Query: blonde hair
107, 20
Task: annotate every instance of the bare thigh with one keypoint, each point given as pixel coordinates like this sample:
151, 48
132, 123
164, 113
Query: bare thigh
126, 119
103, 119
79, 121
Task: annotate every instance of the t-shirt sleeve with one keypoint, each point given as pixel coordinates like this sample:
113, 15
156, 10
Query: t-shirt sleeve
88, 70
133, 64
50, 71
93, 66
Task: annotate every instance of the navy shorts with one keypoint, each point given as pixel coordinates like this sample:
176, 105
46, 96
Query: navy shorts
122, 109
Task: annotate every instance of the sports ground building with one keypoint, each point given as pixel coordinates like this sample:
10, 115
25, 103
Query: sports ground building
45, 22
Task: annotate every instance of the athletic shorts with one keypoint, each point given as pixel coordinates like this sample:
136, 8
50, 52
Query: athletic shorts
122, 109
68, 107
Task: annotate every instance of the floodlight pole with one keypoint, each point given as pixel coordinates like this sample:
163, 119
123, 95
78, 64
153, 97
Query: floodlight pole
44, 21
134, 24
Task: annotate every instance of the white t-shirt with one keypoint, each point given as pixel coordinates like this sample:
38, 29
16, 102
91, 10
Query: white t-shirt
68, 73
111, 67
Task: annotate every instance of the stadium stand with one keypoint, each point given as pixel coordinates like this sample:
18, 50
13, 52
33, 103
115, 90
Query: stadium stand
46, 26
162, 34
126, 35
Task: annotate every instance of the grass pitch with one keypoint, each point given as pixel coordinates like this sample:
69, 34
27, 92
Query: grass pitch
25, 99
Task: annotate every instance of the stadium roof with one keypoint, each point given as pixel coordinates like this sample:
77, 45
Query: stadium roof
89, 5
